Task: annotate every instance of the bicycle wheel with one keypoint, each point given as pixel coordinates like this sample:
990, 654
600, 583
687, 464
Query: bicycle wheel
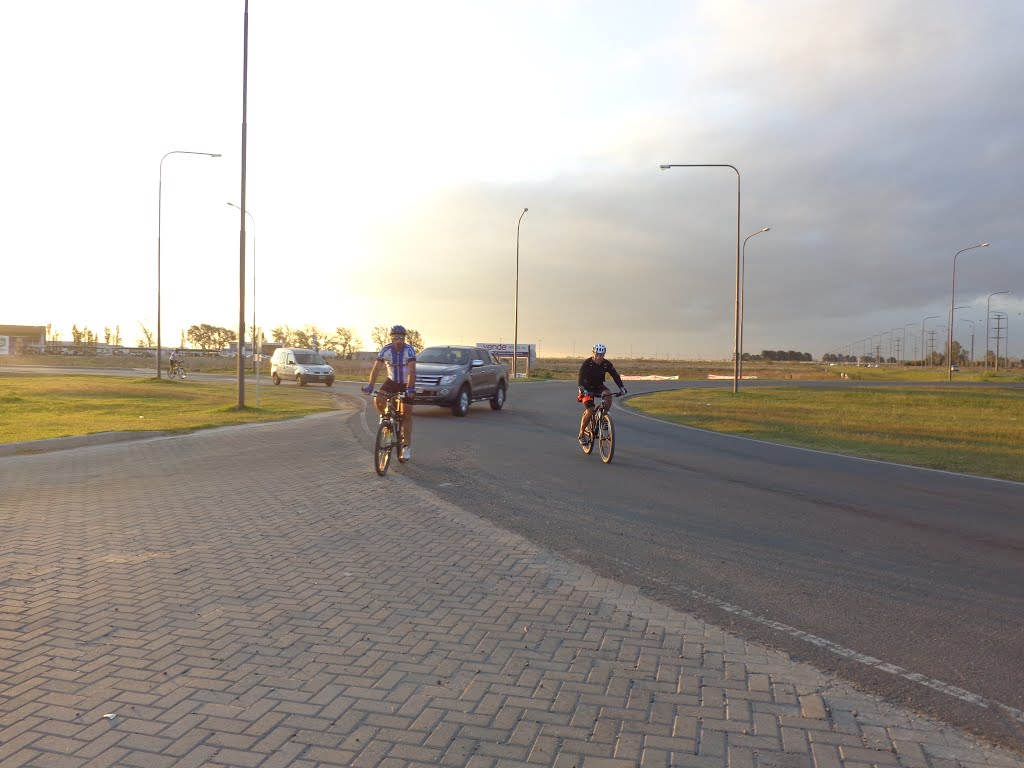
589, 431
181, 373
606, 437
382, 448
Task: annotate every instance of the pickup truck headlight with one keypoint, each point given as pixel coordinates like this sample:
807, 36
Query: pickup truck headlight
450, 379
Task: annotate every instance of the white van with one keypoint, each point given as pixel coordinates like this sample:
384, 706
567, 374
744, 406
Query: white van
302, 365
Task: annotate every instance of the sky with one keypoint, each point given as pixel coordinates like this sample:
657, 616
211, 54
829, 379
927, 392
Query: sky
392, 147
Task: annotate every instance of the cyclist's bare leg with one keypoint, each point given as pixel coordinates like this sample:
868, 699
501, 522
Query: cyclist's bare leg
381, 402
585, 421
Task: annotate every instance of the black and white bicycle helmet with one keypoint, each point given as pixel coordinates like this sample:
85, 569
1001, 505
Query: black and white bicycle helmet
600, 349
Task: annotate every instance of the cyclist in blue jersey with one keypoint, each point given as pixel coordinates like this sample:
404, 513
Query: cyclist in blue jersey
400, 361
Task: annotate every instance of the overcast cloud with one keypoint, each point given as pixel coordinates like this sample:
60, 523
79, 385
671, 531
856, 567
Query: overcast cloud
875, 138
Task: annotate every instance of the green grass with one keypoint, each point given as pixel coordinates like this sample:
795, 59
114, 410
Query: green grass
37, 407
978, 432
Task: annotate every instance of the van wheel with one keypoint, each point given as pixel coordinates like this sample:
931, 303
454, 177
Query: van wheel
461, 405
499, 397
300, 380
329, 382
276, 378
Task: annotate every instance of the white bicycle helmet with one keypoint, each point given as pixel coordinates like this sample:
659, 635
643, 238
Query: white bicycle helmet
600, 349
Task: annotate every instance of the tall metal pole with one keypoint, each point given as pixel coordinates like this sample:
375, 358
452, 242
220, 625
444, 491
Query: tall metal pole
159, 226
743, 283
515, 322
256, 363
952, 295
241, 214
988, 312
905, 349
736, 320
930, 317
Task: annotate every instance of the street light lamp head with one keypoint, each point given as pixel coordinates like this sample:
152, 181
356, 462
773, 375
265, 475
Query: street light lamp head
984, 245
766, 229
216, 155
664, 167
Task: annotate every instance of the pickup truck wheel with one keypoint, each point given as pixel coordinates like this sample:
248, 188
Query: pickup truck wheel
300, 380
276, 378
461, 405
499, 397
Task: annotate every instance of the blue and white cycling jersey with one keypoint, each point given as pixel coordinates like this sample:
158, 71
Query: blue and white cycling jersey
397, 362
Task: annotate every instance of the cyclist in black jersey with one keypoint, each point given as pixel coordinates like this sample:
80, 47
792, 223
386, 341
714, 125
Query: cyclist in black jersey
591, 382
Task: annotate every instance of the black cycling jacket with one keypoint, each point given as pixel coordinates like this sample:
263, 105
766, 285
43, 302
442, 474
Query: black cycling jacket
592, 374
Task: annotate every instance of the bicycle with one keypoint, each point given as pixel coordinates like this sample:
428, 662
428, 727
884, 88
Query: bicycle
176, 370
601, 426
389, 433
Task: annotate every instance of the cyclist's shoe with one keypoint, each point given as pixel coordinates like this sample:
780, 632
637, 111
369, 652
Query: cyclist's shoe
406, 453
584, 439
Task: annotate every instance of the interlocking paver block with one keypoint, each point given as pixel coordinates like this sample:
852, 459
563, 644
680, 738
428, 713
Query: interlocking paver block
285, 613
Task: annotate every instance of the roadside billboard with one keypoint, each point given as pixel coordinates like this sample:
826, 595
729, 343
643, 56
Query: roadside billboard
528, 351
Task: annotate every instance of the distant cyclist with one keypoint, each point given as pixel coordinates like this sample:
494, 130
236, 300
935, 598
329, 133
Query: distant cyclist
400, 360
175, 360
591, 382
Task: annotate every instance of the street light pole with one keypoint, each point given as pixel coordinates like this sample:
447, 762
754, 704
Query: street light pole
736, 321
743, 282
515, 322
952, 295
159, 226
988, 307
255, 361
240, 368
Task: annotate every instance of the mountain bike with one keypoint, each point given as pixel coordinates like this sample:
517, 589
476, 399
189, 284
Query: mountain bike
176, 371
600, 429
389, 433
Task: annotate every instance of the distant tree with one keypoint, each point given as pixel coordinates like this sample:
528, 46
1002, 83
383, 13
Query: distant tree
147, 339
117, 336
76, 336
347, 342
210, 337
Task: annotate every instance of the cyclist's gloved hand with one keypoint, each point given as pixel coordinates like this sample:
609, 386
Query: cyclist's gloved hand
367, 389
622, 390
409, 396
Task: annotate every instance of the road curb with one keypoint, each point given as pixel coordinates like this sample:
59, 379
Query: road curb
75, 441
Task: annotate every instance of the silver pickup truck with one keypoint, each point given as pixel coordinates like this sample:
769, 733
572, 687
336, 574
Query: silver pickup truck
456, 376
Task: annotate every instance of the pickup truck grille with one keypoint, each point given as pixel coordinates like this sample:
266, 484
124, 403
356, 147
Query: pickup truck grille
428, 381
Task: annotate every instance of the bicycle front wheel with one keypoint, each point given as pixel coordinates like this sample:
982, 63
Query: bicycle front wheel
382, 448
606, 438
589, 432
181, 374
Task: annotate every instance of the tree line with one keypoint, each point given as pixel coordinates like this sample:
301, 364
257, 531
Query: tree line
777, 356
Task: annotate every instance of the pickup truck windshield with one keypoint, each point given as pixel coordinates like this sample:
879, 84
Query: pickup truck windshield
308, 358
443, 356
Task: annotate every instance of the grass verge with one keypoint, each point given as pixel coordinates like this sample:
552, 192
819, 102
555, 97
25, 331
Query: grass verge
977, 432
37, 407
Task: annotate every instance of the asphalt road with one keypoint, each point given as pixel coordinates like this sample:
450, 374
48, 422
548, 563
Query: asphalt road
905, 581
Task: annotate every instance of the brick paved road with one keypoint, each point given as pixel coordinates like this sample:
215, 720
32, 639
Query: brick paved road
258, 597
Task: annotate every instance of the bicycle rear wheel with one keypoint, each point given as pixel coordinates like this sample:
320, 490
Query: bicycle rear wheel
606, 437
382, 448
